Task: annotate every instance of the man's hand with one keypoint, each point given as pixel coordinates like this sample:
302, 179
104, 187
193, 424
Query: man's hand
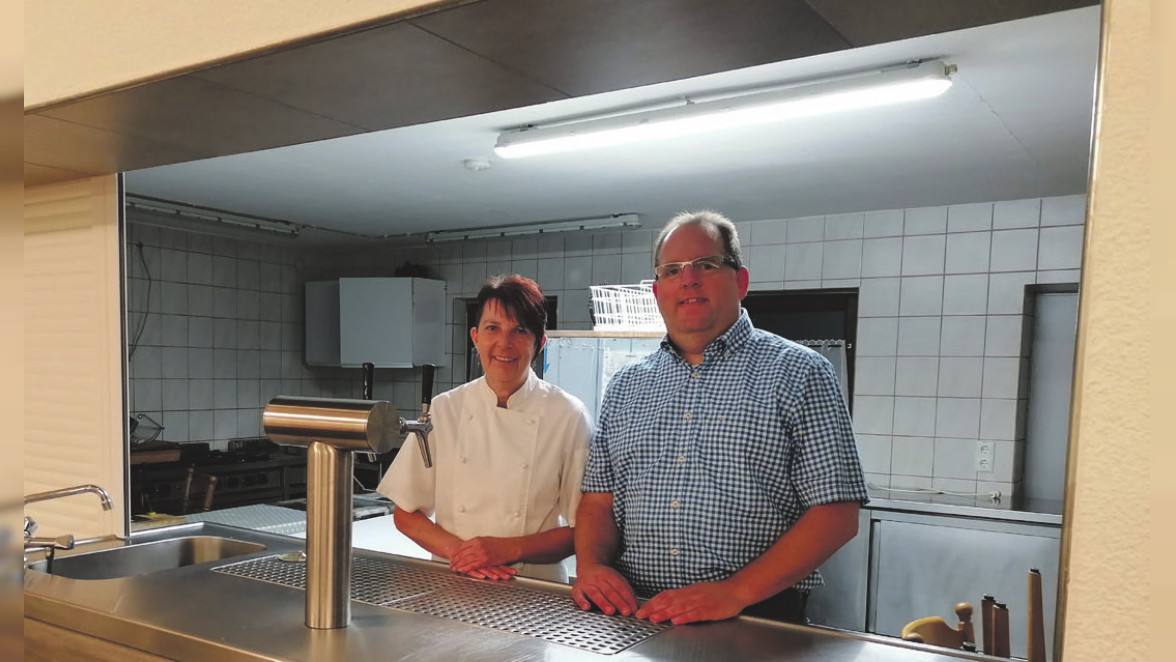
705, 601
606, 588
482, 553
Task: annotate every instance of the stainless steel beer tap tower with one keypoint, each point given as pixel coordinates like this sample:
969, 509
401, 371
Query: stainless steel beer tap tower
332, 430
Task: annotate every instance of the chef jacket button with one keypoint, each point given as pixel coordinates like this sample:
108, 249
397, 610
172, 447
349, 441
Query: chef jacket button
463, 460
516, 514
523, 465
674, 552
461, 509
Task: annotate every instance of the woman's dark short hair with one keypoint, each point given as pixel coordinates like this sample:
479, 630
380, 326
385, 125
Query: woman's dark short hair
706, 218
521, 297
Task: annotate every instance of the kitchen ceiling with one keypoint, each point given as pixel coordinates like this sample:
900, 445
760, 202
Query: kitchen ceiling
1016, 124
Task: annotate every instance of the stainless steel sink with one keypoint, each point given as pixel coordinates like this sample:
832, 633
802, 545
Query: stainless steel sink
145, 558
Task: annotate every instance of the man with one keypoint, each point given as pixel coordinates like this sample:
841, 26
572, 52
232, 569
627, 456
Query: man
724, 468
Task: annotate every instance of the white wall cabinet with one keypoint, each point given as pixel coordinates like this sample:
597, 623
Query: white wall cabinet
390, 322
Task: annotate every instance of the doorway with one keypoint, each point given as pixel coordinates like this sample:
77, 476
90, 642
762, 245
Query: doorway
823, 320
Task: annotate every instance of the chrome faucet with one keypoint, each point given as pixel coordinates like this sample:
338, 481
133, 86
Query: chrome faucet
64, 541
107, 504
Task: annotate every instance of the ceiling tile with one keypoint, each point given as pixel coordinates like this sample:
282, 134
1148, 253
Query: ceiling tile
200, 118
866, 23
590, 47
385, 77
84, 150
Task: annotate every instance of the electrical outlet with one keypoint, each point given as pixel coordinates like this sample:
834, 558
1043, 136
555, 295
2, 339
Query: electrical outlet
984, 456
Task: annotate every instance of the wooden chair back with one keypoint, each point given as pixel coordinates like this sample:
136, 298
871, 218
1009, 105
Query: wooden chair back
935, 631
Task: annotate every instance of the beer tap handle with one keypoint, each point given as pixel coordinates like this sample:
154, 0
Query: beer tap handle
426, 387
369, 373
369, 377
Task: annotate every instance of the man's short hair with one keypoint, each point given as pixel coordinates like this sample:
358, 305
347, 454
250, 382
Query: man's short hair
705, 218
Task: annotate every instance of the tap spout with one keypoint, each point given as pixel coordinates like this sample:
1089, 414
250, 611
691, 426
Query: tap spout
423, 425
70, 491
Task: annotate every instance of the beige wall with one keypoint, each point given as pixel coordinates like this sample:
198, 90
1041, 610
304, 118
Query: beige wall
73, 424
74, 48
1109, 586
1109, 529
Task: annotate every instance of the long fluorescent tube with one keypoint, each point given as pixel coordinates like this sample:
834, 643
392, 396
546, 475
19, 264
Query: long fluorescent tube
188, 214
624, 221
882, 87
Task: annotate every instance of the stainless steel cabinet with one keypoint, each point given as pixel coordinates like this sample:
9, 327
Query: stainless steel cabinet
905, 565
923, 565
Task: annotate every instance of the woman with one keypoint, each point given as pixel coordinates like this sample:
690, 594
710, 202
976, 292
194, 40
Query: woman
508, 453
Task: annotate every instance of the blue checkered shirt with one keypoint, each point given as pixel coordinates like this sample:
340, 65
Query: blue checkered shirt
709, 465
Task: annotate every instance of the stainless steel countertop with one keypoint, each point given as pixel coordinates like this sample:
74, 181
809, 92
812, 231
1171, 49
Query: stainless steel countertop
1036, 512
192, 613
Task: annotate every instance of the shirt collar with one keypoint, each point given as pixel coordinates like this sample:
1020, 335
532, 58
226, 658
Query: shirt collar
730, 340
518, 399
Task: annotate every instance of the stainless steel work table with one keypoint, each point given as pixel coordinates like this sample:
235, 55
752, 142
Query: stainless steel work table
194, 613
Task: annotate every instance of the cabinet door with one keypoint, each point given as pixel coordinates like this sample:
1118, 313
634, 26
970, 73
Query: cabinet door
428, 319
841, 602
322, 322
375, 322
924, 569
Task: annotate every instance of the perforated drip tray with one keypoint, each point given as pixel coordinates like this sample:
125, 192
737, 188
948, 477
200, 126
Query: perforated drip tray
507, 607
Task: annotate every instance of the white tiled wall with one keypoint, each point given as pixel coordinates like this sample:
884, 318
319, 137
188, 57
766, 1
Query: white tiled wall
940, 363
221, 333
940, 357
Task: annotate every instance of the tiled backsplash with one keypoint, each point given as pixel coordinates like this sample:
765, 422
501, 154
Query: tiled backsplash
940, 360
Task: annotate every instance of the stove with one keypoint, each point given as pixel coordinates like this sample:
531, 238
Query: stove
249, 471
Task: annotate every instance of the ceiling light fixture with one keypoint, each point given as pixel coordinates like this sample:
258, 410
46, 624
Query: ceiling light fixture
193, 218
906, 82
621, 221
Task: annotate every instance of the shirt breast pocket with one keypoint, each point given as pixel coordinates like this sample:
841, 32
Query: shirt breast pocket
634, 438
744, 455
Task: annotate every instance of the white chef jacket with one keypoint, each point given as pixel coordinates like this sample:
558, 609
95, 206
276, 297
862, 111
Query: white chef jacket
497, 472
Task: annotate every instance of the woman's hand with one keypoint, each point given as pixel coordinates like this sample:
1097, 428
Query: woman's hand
495, 572
483, 554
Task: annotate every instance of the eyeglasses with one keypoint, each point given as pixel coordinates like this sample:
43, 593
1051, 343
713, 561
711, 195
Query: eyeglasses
703, 265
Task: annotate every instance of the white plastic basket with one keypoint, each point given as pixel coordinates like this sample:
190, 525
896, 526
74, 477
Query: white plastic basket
626, 308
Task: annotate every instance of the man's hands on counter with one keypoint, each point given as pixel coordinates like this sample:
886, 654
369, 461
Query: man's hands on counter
606, 588
705, 601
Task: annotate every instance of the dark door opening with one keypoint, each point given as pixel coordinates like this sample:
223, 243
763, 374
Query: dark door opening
825, 320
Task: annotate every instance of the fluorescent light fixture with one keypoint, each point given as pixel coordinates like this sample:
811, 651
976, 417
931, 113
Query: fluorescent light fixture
905, 82
209, 220
622, 221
